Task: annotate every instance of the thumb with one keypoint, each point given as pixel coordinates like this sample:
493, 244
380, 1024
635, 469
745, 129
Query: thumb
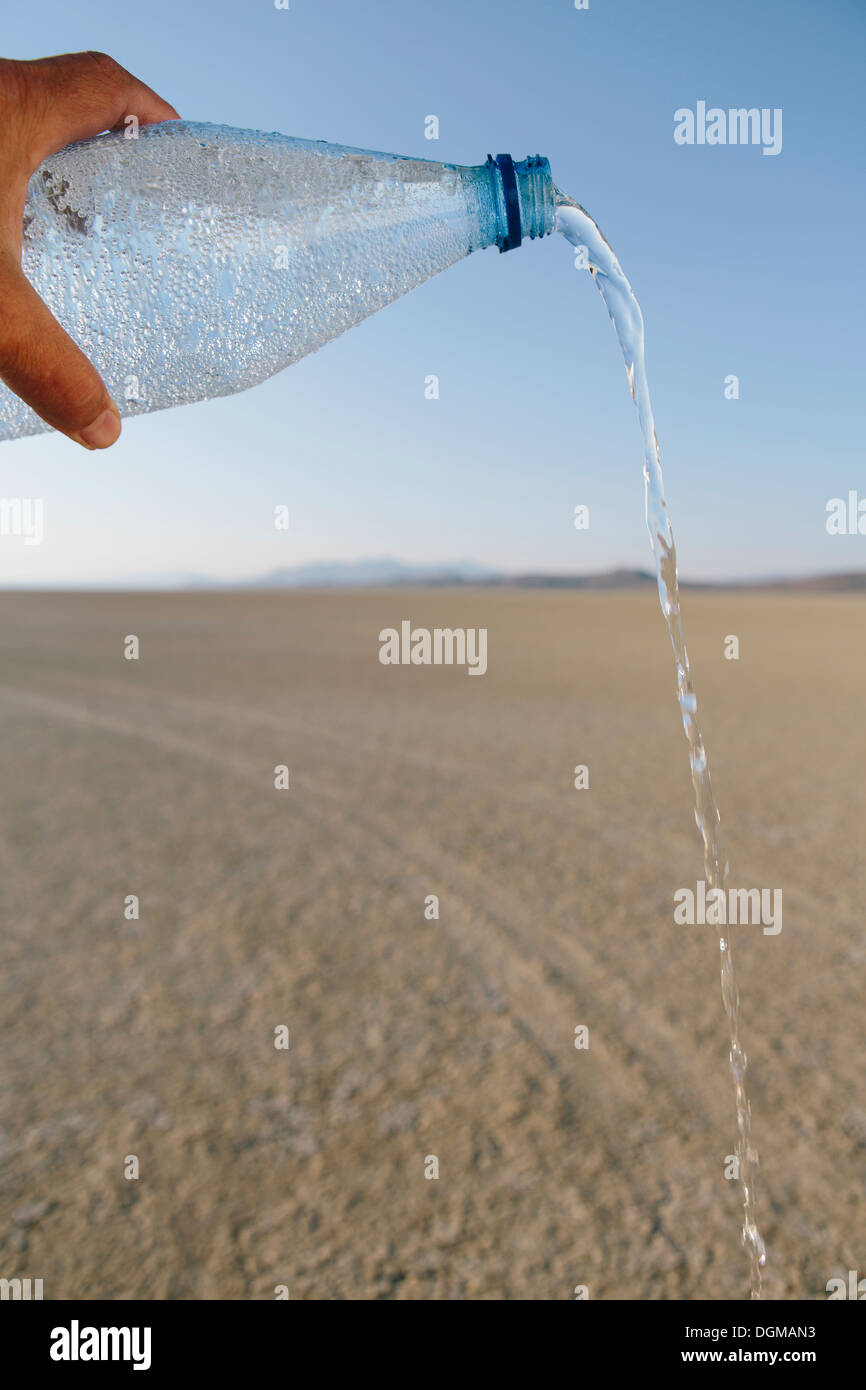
42, 365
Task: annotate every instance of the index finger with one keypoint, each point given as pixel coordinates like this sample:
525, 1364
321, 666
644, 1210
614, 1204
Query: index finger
75, 95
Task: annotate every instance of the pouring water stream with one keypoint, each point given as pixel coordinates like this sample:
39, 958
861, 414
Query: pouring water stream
579, 229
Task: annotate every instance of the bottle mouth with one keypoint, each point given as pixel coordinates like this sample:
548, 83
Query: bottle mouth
525, 197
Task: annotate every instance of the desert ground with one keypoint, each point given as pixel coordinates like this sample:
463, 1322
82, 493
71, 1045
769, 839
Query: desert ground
258, 1167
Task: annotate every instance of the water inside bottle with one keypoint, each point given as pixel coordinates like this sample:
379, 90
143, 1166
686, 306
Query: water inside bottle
594, 252
197, 260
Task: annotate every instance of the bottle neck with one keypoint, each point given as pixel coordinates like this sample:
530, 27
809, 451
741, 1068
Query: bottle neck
524, 194
512, 202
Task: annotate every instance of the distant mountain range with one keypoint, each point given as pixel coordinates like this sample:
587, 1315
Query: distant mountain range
382, 572
386, 572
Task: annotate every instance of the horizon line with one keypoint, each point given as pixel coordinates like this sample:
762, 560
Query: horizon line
455, 575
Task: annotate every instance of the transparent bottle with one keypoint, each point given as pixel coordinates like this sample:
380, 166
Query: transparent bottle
197, 260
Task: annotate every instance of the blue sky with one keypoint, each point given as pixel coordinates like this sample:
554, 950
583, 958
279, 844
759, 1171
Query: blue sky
743, 264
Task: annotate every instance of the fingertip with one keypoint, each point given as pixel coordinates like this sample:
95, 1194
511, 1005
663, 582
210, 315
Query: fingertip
102, 432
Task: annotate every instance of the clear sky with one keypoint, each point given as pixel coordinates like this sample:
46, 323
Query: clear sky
743, 263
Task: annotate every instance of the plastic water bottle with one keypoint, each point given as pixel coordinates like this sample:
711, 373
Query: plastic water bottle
196, 260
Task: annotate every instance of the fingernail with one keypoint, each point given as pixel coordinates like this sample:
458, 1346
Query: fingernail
102, 431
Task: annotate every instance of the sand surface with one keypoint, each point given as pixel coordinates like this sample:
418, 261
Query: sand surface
410, 1037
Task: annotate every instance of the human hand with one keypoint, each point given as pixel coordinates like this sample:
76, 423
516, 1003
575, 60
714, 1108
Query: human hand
44, 105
